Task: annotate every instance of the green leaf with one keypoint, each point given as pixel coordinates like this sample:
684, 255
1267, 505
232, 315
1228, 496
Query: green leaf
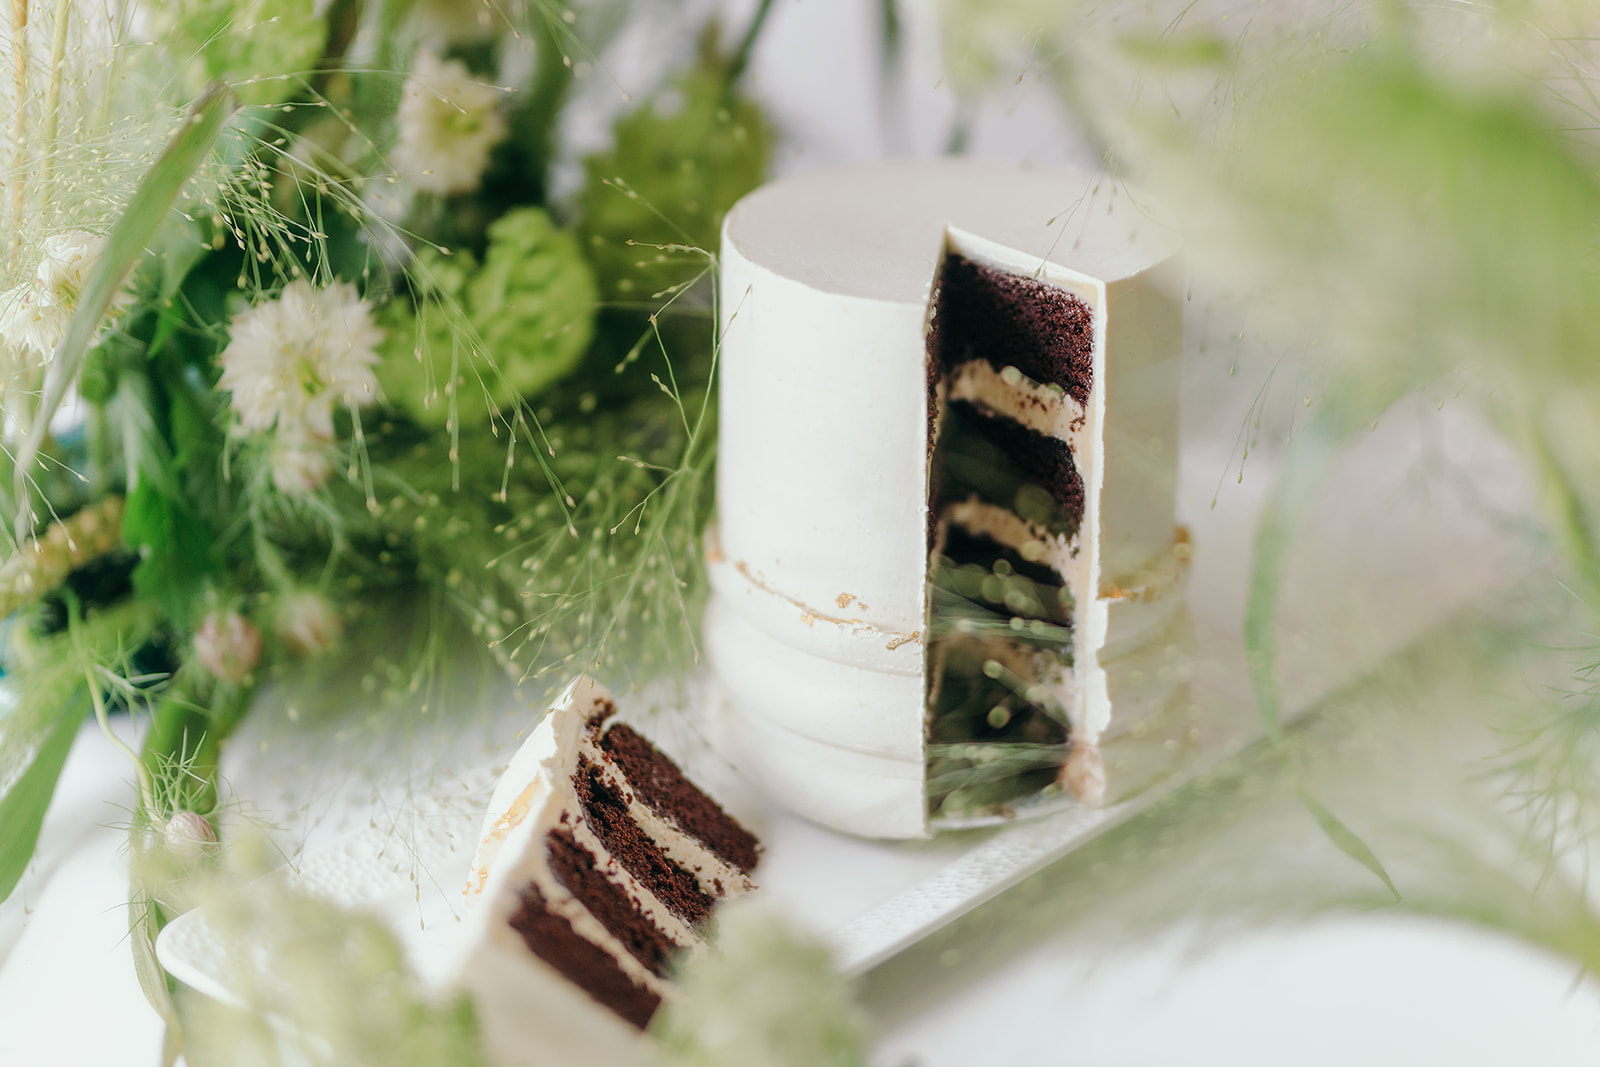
24, 804
1349, 407
144, 923
134, 231
176, 546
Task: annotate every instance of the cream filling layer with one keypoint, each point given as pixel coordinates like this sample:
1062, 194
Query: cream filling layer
1158, 579
1045, 409
532, 867
715, 875
677, 844
1030, 540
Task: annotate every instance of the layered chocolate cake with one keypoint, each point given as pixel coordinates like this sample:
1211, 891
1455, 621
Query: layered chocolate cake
1011, 375
599, 866
947, 576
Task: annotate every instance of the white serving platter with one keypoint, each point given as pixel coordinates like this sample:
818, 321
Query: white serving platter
1425, 558
867, 899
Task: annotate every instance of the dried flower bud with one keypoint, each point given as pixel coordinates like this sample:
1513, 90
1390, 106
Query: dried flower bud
308, 624
189, 836
227, 645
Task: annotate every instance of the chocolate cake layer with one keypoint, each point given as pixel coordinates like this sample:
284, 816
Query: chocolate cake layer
607, 813
986, 572
579, 873
592, 969
1047, 461
971, 463
657, 781
1006, 320
988, 744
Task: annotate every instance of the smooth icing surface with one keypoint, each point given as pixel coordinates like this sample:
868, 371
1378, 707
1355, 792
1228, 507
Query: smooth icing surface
818, 562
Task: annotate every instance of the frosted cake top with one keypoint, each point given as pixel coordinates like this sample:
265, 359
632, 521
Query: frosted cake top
894, 217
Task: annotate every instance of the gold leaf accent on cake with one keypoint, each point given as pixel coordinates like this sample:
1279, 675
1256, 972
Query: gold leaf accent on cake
1158, 577
810, 615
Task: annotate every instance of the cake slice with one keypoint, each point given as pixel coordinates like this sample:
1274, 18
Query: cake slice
599, 865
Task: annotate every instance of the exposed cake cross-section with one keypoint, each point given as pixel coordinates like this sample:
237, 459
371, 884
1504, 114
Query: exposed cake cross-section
599, 867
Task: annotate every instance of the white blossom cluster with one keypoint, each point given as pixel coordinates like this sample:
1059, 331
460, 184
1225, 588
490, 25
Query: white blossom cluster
289, 362
448, 122
35, 314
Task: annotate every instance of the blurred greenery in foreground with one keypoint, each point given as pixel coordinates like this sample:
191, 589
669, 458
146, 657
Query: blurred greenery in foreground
1404, 199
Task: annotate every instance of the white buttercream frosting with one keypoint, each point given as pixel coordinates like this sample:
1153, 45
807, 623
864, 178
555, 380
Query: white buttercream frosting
819, 561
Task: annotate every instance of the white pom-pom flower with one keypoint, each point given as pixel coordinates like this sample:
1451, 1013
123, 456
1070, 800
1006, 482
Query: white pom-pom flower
35, 314
289, 361
448, 124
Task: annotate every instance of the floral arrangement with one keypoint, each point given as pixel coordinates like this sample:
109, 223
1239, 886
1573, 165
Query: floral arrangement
303, 358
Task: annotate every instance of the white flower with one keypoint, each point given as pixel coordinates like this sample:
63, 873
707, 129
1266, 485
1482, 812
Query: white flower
34, 315
448, 123
227, 645
67, 258
290, 360
308, 624
300, 463
28, 325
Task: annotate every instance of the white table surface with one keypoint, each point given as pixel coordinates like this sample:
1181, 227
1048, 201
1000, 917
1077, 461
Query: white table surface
1374, 989
1048, 983
1377, 990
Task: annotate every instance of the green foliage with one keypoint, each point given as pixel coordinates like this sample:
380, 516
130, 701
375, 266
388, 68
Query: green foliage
767, 997
176, 549
533, 303
485, 338
426, 355
124, 247
26, 799
321, 986
556, 518
47, 679
674, 170
1444, 235
576, 550
252, 44
1442, 253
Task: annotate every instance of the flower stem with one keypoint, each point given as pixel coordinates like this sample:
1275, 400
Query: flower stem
747, 44
97, 698
52, 96
19, 143
1564, 510
147, 797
